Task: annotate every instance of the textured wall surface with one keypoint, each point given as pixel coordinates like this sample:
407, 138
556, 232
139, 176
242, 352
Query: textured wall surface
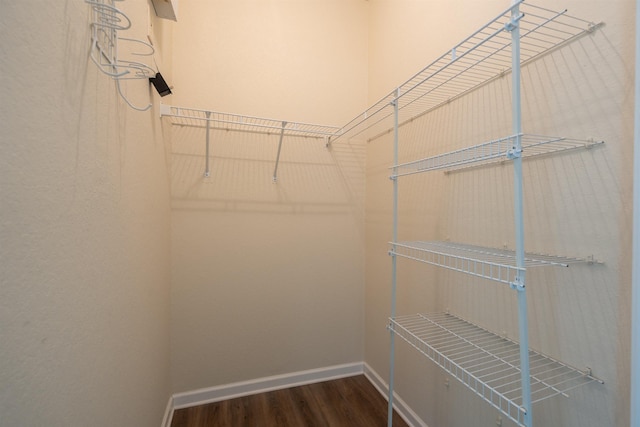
84, 230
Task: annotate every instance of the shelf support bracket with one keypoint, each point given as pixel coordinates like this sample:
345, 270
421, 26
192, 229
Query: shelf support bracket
517, 284
514, 153
513, 23
207, 171
275, 171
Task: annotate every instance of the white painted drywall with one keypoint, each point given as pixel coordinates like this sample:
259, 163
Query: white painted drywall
267, 279
84, 230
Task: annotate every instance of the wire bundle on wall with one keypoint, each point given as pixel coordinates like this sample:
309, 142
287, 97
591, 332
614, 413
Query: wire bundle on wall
106, 21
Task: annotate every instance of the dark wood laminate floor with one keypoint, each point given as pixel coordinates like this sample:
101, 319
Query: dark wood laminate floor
352, 402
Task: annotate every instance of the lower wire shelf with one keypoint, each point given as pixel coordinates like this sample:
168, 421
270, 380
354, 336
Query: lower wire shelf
486, 363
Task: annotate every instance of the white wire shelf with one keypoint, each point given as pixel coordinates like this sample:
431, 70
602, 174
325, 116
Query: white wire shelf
483, 56
494, 264
486, 363
235, 122
228, 121
490, 152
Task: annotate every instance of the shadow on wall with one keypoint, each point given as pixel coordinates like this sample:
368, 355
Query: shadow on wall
311, 178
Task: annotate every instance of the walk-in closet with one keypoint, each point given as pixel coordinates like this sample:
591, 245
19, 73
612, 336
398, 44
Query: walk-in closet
320, 212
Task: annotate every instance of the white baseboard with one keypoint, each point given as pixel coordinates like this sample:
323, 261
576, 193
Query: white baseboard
261, 385
399, 405
277, 382
168, 413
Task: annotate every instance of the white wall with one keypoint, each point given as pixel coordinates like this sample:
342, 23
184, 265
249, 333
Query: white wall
267, 278
576, 204
270, 57
84, 230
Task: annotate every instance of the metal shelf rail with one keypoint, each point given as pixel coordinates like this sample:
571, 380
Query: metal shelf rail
480, 58
236, 122
489, 263
486, 363
490, 152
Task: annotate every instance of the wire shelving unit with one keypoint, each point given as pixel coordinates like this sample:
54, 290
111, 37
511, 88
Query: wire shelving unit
507, 374
242, 123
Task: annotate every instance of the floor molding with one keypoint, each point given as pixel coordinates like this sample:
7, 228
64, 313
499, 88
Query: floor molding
261, 385
168, 413
277, 382
399, 405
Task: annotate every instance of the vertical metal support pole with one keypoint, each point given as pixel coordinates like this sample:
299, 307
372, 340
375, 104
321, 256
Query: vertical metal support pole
275, 171
635, 254
207, 172
519, 284
393, 258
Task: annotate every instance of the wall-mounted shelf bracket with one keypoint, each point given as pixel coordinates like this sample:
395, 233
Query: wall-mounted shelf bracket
207, 170
275, 170
591, 260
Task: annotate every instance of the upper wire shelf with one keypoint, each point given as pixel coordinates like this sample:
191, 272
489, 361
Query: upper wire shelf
483, 56
494, 264
227, 121
491, 151
486, 363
